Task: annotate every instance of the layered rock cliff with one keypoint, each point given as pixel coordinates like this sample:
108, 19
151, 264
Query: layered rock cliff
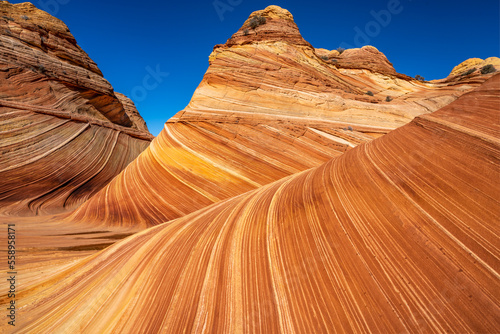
398, 235
270, 105
64, 133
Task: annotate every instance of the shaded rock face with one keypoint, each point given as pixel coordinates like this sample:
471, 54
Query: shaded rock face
398, 235
63, 132
138, 122
269, 106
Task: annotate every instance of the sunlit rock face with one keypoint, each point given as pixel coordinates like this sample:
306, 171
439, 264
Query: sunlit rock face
398, 235
270, 105
474, 65
367, 57
64, 133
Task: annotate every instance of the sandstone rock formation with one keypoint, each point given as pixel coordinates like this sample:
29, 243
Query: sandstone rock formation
399, 234
290, 202
272, 71
367, 57
132, 113
193, 164
269, 106
474, 63
64, 133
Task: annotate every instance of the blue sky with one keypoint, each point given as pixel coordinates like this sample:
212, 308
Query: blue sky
130, 39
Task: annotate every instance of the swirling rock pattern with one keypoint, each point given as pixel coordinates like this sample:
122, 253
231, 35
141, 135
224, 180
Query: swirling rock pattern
64, 133
193, 164
399, 234
269, 106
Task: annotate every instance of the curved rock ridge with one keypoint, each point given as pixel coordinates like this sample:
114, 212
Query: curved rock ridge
51, 164
193, 164
474, 63
269, 106
399, 234
64, 133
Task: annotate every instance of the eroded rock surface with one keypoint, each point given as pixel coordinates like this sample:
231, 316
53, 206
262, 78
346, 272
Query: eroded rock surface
474, 64
64, 133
